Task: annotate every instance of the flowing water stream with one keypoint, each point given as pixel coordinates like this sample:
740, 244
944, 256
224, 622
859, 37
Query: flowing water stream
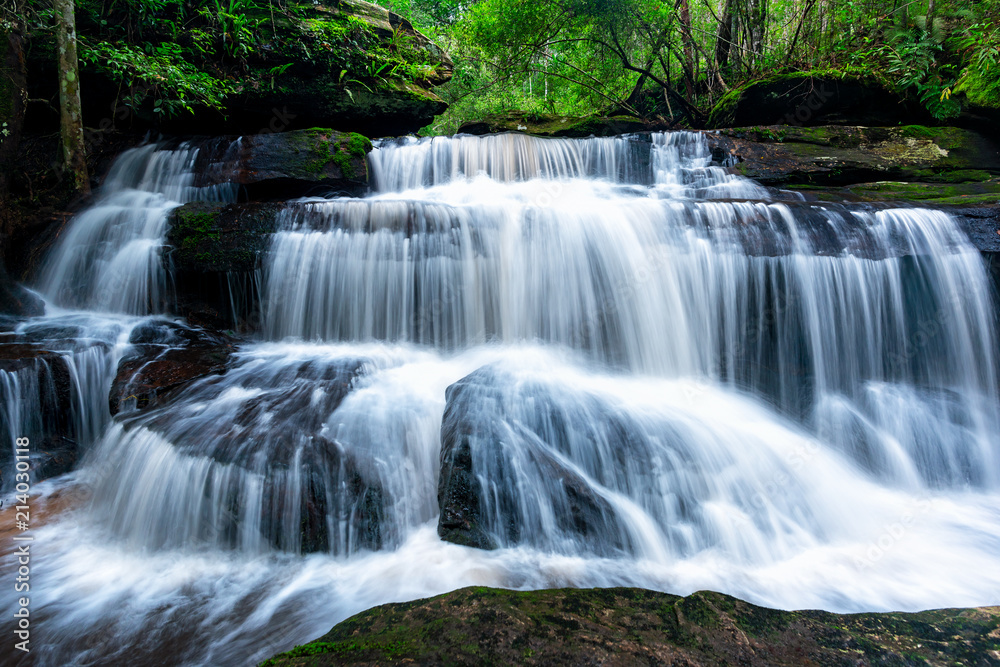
791, 403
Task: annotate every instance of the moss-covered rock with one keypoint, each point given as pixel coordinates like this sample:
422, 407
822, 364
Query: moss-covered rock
629, 626
821, 97
216, 252
286, 165
850, 154
351, 65
547, 125
986, 191
209, 237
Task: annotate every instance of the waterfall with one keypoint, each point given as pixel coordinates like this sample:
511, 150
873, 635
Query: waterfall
633, 365
58, 391
108, 259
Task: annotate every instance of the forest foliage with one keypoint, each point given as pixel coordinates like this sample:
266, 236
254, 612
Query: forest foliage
670, 59
677, 58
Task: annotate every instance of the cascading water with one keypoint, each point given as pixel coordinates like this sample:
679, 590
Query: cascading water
109, 258
660, 374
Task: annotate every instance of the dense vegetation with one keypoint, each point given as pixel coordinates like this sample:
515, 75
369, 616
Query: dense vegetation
675, 59
670, 60
172, 57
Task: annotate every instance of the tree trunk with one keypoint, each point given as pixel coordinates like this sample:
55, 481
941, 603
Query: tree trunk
758, 29
684, 11
74, 151
724, 38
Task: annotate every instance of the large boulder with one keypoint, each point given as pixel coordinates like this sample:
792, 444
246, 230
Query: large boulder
813, 98
490, 459
262, 427
215, 253
164, 358
838, 155
212, 237
631, 626
286, 165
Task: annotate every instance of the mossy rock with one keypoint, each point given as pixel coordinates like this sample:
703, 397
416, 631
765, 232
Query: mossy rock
352, 65
817, 97
626, 626
841, 155
285, 165
210, 237
548, 125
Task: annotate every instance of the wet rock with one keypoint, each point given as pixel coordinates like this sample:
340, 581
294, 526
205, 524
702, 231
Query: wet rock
17, 301
286, 165
166, 357
981, 223
210, 237
215, 257
846, 155
37, 389
262, 428
631, 626
480, 489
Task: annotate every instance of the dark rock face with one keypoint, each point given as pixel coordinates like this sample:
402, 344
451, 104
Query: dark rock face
210, 237
216, 250
37, 402
215, 257
458, 490
845, 155
312, 494
287, 165
165, 358
480, 489
809, 99
313, 92
17, 301
631, 626
982, 224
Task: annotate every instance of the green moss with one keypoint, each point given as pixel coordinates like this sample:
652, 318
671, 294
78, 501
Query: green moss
628, 626
358, 145
723, 113
981, 86
193, 227
350, 149
345, 649
919, 131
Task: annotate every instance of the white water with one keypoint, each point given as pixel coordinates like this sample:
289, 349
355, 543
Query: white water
109, 257
794, 405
